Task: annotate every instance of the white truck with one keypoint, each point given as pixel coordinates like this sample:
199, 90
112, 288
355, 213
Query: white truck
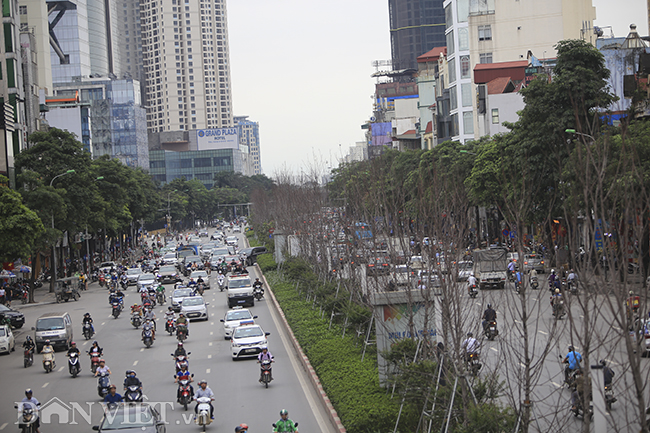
491, 267
240, 291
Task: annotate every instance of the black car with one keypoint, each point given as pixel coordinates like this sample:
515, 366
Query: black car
140, 417
252, 253
17, 318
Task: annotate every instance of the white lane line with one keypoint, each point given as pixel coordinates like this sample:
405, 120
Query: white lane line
212, 314
209, 356
85, 342
2, 427
493, 348
210, 343
542, 332
522, 365
517, 321
534, 299
211, 323
61, 368
557, 384
135, 363
582, 317
211, 332
617, 328
45, 384
612, 362
207, 371
104, 322
478, 303
142, 349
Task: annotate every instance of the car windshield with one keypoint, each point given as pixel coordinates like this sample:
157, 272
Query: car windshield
248, 331
133, 271
170, 256
192, 259
49, 324
146, 277
220, 252
465, 266
2, 332
168, 268
107, 265
402, 270
194, 300
197, 274
238, 315
4, 308
126, 417
237, 283
180, 293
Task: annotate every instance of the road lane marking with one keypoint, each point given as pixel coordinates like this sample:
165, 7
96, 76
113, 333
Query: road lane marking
534, 299
493, 348
612, 362
45, 384
207, 371
142, 349
211, 332
517, 321
542, 332
209, 356
522, 365
2, 427
85, 342
478, 303
212, 314
103, 323
557, 384
61, 368
617, 328
135, 362
210, 343
211, 323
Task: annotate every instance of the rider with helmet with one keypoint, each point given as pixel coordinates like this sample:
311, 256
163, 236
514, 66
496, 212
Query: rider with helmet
285, 424
265, 354
35, 405
241, 428
89, 320
180, 350
132, 380
489, 315
204, 391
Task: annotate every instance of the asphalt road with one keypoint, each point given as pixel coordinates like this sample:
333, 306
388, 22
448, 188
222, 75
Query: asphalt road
238, 395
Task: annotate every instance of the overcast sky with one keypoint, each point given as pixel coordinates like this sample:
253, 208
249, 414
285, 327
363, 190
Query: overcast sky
301, 68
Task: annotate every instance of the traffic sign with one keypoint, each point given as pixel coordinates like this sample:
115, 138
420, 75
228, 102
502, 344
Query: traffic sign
505, 233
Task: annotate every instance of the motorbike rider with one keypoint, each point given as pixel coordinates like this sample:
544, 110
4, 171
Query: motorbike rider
183, 374
556, 297
285, 424
95, 350
511, 268
582, 387
112, 397
608, 373
258, 285
89, 320
180, 350
149, 326
30, 401
489, 315
102, 368
204, 391
553, 279
132, 380
264, 355
47, 348
73, 349
241, 428
470, 346
471, 282
150, 315
532, 276
29, 344
573, 360
571, 277
632, 304
182, 320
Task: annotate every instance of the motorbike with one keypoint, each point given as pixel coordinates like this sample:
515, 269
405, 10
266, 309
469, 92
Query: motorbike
116, 307
103, 382
181, 360
295, 423
572, 286
185, 393
473, 364
491, 330
124, 284
609, 396
102, 280
203, 412
221, 280
558, 308
94, 277
518, 286
200, 289
28, 357
170, 326
267, 377
258, 293
579, 411
147, 337
48, 361
136, 320
181, 332
473, 291
133, 394
24, 296
74, 367
160, 297
88, 331
94, 360
534, 283
28, 416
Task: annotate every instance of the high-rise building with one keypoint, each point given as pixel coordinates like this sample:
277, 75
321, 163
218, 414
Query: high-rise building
416, 26
249, 142
186, 64
130, 39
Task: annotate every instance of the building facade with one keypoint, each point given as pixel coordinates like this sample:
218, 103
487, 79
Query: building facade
249, 142
416, 26
165, 165
186, 64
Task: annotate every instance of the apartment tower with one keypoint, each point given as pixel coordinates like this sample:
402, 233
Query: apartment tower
186, 64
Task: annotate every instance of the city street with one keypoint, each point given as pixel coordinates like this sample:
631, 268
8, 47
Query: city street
238, 395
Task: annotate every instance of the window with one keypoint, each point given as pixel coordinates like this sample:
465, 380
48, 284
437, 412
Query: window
485, 58
485, 33
22, 10
451, 65
464, 67
495, 116
466, 94
463, 10
463, 39
453, 97
449, 19
468, 122
450, 43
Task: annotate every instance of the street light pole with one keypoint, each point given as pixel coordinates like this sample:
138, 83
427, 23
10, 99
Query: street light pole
54, 273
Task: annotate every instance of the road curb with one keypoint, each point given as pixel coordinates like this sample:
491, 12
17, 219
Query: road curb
305, 361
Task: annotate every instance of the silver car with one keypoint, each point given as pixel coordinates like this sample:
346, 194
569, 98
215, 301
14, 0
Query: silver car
195, 308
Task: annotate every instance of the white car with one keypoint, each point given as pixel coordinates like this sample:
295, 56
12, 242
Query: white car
232, 241
195, 308
146, 280
169, 259
107, 266
7, 341
203, 274
247, 340
236, 229
465, 268
132, 275
236, 317
178, 295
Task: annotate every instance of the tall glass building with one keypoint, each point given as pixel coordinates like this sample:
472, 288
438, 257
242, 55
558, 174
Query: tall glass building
168, 165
